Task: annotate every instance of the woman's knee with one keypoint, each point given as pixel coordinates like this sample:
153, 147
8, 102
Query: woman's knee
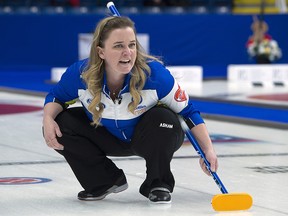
158, 127
71, 117
162, 117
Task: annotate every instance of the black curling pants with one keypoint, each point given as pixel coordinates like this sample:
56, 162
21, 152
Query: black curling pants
156, 137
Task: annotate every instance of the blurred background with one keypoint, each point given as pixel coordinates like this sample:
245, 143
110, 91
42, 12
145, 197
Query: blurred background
37, 35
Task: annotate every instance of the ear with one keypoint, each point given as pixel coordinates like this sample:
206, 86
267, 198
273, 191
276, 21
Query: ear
100, 52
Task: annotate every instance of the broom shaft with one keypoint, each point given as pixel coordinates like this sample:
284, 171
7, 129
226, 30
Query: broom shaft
202, 155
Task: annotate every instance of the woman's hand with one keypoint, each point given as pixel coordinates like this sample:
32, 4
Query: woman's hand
202, 136
212, 159
51, 130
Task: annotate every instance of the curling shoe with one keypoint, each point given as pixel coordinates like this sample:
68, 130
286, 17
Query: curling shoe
119, 186
159, 195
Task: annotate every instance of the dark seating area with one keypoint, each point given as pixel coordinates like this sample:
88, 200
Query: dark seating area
130, 6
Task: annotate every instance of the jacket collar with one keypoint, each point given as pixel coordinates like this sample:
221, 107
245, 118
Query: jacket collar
124, 89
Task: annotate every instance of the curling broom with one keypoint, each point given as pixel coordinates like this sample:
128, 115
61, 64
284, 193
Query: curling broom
225, 201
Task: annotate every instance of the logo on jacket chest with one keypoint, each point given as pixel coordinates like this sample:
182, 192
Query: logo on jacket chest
140, 109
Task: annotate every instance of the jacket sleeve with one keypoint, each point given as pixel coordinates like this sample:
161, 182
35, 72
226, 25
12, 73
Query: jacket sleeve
172, 95
66, 90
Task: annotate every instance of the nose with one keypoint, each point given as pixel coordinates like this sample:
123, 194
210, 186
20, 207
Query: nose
126, 50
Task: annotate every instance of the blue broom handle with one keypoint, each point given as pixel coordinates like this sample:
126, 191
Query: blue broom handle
113, 9
202, 155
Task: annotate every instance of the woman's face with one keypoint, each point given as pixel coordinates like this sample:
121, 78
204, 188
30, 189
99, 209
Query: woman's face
119, 51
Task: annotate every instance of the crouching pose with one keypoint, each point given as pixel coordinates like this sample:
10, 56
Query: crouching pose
130, 103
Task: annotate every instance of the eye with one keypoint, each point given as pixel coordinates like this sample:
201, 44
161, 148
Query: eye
118, 46
132, 45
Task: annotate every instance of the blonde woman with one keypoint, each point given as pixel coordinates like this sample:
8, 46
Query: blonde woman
130, 104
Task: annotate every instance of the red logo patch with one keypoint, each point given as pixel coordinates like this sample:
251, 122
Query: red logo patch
180, 95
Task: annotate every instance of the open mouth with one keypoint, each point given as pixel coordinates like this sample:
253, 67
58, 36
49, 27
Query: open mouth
125, 62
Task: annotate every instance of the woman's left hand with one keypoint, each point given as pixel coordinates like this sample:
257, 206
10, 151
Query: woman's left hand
212, 158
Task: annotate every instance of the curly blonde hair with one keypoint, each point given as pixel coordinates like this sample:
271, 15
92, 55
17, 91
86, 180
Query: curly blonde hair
93, 75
